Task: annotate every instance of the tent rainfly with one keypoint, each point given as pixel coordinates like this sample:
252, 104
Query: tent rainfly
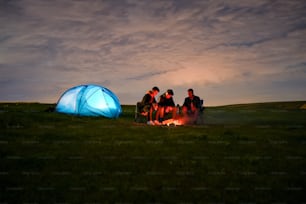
89, 100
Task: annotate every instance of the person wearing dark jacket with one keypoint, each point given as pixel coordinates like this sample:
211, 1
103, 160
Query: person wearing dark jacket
165, 105
192, 105
148, 104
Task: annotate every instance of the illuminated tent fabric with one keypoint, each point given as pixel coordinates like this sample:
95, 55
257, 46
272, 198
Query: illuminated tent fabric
89, 100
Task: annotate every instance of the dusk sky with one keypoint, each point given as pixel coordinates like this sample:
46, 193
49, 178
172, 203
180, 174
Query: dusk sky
235, 51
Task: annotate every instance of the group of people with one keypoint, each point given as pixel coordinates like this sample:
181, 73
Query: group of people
165, 105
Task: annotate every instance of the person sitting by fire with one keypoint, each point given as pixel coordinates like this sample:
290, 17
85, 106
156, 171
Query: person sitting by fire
148, 104
165, 105
191, 106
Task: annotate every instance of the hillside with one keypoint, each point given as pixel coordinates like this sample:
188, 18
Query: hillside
292, 105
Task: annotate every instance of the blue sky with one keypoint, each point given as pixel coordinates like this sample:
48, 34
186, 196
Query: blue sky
237, 51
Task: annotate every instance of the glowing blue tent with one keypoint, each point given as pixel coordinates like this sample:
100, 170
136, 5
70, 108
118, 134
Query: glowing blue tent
89, 100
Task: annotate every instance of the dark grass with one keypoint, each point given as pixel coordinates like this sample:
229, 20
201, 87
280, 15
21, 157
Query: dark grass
249, 153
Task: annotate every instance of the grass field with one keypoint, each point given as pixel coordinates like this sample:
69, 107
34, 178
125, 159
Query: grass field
249, 153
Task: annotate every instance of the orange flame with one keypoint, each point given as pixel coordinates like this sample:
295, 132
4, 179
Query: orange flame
175, 122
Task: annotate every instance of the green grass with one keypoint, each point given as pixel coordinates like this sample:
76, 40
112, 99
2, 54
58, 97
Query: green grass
248, 153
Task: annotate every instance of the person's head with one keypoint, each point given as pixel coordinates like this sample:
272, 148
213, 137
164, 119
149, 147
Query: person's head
190, 92
155, 90
169, 93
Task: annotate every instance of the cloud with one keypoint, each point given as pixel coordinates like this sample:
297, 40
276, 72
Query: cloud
129, 45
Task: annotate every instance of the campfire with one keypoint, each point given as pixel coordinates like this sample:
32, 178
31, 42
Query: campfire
179, 121
173, 122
